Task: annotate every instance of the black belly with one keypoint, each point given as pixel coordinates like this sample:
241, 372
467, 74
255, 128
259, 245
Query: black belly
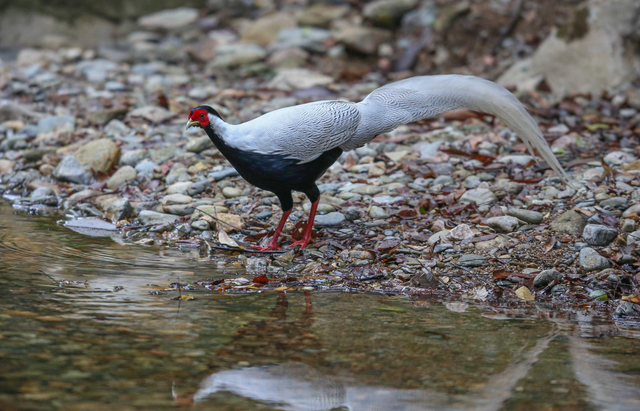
275, 173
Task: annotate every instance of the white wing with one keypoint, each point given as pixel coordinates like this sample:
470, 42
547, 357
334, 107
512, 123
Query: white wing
417, 98
301, 132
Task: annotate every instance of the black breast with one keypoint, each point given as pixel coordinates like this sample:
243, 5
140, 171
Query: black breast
274, 172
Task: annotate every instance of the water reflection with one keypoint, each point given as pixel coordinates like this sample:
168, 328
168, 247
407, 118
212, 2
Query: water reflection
101, 347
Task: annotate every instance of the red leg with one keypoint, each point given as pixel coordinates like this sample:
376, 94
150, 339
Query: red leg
307, 231
273, 244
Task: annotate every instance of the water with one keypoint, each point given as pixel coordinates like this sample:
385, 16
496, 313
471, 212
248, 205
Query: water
112, 337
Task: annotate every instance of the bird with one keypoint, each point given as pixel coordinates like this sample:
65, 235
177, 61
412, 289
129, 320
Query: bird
289, 149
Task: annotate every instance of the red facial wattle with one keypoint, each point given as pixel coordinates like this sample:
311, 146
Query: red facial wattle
201, 116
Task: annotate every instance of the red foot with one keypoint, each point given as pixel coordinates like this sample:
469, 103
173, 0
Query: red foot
302, 243
270, 247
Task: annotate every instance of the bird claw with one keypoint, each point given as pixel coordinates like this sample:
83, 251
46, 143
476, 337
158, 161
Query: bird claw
302, 243
270, 247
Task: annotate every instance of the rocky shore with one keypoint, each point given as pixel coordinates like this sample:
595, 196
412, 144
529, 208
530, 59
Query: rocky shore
452, 206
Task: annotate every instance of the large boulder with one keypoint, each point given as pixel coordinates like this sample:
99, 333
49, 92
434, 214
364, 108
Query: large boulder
588, 54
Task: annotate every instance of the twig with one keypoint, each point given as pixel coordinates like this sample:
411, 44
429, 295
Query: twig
218, 220
52, 279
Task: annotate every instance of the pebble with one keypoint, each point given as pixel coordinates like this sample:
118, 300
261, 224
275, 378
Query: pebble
528, 216
599, 235
231, 192
614, 202
378, 213
634, 209
146, 167
503, 224
479, 196
264, 215
591, 260
570, 222
627, 309
124, 175
199, 144
329, 220
472, 260
69, 169
460, 232
545, 277
201, 225
222, 174
628, 225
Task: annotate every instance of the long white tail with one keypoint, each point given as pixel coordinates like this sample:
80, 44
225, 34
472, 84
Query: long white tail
423, 97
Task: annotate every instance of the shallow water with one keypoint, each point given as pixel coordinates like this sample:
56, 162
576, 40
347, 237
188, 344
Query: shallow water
112, 337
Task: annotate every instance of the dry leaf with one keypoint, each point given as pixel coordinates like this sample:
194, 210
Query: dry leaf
223, 238
631, 298
524, 294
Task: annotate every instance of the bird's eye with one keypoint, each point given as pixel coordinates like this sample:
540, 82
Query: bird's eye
202, 115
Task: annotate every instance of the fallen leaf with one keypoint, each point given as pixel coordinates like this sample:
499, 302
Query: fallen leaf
524, 294
631, 298
223, 238
261, 279
187, 297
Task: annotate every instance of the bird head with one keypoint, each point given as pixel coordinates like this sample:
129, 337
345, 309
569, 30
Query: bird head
201, 116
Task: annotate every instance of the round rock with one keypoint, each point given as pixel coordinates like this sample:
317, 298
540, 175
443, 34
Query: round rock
504, 224
591, 260
599, 235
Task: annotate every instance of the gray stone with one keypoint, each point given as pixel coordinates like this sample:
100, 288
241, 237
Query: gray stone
96, 71
479, 196
198, 187
172, 19
264, 215
365, 40
627, 309
545, 277
237, 54
387, 13
591, 260
222, 174
614, 202
352, 213
231, 192
444, 180
133, 157
289, 79
628, 225
528, 216
504, 224
599, 235
329, 220
634, 209
311, 39
460, 232
570, 222
472, 260
201, 225
321, 15
377, 212
124, 175
145, 168
199, 144
120, 209
56, 123
69, 169
41, 192
148, 217
442, 247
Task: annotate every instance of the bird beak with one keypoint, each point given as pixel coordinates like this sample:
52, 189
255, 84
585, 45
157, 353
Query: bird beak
192, 123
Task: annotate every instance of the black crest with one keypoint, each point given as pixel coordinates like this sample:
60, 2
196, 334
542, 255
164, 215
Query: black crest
209, 109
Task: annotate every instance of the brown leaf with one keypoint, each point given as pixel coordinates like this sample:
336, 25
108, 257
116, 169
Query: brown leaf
631, 298
407, 214
261, 279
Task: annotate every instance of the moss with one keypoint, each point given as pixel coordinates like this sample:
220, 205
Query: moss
577, 26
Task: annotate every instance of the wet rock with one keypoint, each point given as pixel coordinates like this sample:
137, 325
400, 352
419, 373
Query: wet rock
503, 224
264, 215
479, 196
614, 202
329, 220
528, 216
460, 232
93, 227
376, 212
298, 78
627, 309
199, 144
388, 13
227, 222
545, 277
172, 19
599, 235
425, 280
591, 260
148, 217
264, 30
628, 225
178, 204
472, 260
440, 248
234, 55
570, 222
352, 213
99, 155
146, 167
365, 40
119, 210
70, 169
321, 15
6, 166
